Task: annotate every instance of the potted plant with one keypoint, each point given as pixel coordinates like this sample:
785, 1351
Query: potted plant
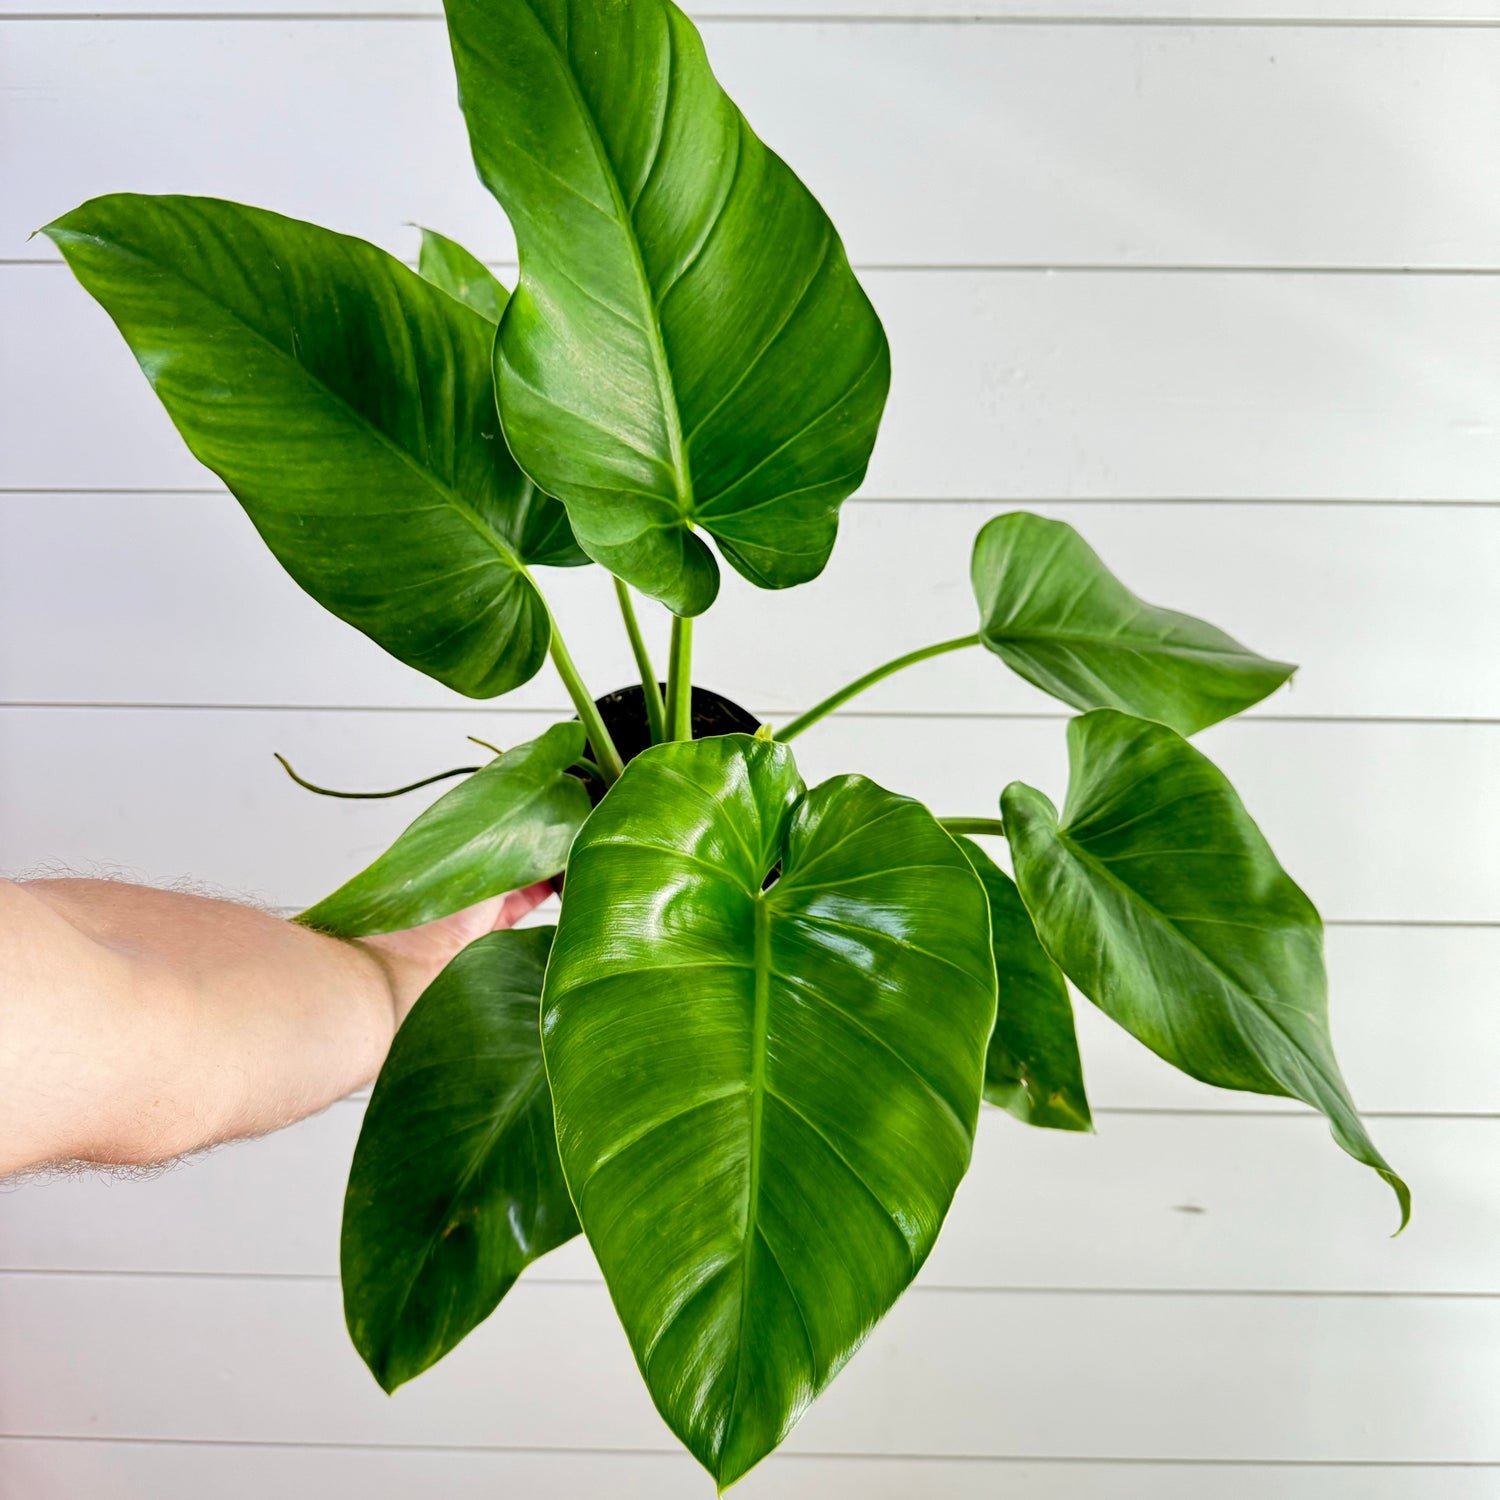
748, 1061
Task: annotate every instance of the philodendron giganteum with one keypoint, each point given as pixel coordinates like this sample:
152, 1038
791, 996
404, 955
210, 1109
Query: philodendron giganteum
748, 1061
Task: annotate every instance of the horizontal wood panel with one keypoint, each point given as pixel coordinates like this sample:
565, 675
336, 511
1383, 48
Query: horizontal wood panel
1160, 1203
1299, 1379
1390, 609
39, 1469
928, 144
1006, 386
1378, 821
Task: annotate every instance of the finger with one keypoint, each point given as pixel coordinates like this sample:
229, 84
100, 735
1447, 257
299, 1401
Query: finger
518, 903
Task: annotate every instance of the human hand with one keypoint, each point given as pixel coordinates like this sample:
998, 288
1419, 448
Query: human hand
414, 958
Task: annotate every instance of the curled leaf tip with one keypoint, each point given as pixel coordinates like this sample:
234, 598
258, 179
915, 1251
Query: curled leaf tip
1403, 1197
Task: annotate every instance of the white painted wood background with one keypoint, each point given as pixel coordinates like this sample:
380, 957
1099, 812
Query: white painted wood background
1216, 280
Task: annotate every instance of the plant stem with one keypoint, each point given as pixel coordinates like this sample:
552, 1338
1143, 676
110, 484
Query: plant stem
974, 825
399, 791
599, 736
656, 710
844, 694
680, 681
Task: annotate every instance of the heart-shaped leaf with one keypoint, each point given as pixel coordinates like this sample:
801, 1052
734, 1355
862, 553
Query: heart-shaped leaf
446, 264
1052, 612
456, 1187
1161, 900
765, 1097
509, 824
687, 345
349, 406
1032, 1068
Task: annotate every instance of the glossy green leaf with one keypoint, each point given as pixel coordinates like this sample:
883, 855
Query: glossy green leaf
446, 264
1161, 900
456, 1185
508, 825
349, 406
687, 345
1055, 614
765, 1098
1032, 1067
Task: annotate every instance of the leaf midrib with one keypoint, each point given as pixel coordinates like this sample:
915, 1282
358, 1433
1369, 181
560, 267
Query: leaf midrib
1134, 645
500, 1124
759, 1030
660, 365
1236, 988
451, 497
436, 873
439, 870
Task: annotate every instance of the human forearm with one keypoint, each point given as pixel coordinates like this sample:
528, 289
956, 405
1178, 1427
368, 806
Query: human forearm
137, 1024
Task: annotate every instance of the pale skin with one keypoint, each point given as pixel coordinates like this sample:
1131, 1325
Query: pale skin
139, 1024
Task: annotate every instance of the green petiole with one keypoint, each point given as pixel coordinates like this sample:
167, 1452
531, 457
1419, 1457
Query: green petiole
844, 694
610, 764
974, 825
656, 710
680, 681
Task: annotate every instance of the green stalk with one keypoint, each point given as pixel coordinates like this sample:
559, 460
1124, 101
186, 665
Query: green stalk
680, 681
656, 710
844, 694
599, 736
974, 825
583, 763
399, 791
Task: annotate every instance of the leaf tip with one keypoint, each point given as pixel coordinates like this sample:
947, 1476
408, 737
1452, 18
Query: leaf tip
728, 1472
1283, 672
60, 229
376, 1360
1403, 1198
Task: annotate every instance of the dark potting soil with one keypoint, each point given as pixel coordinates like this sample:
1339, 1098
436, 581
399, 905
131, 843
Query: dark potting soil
624, 715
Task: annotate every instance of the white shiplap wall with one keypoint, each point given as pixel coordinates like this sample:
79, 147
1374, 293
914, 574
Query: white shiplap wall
1219, 282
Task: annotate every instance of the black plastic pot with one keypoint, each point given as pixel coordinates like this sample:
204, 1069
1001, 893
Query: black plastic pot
624, 715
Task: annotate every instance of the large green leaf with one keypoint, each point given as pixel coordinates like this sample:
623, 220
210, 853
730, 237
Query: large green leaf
509, 824
349, 406
1054, 613
765, 1098
1032, 1067
687, 345
1161, 900
456, 1186
446, 264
